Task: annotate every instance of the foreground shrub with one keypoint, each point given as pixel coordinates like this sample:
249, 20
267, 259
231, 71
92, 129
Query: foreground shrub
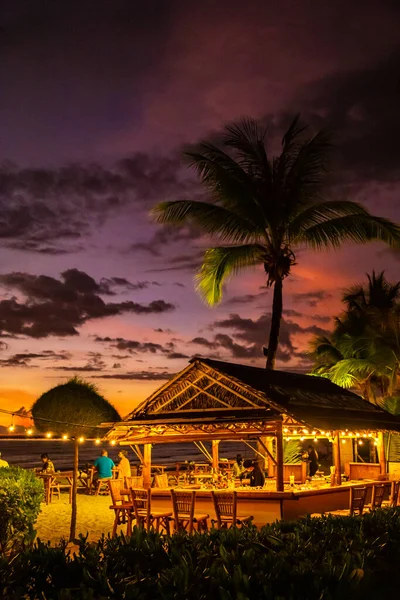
312, 559
21, 493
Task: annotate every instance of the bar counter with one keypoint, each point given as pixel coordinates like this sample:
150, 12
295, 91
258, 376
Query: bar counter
268, 506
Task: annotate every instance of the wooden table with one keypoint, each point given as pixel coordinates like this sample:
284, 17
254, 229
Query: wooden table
51, 480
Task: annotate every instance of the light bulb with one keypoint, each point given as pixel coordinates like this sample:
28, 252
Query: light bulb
65, 437
322, 432
360, 443
49, 434
81, 439
97, 441
314, 432
112, 442
295, 432
357, 435
305, 430
302, 439
342, 433
286, 430
29, 432
343, 441
11, 428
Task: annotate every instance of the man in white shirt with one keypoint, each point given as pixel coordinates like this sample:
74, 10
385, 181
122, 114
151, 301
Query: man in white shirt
3, 463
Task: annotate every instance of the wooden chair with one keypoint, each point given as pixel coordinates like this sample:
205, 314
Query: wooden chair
56, 485
123, 510
378, 492
225, 505
135, 481
185, 519
357, 501
101, 484
161, 481
394, 495
145, 517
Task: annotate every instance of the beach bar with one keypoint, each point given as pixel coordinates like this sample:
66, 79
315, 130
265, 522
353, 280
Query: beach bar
211, 401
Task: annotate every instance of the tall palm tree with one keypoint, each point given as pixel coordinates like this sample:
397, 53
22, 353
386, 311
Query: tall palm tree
263, 208
363, 350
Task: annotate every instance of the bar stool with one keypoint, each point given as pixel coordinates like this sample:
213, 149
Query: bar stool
225, 505
145, 517
123, 511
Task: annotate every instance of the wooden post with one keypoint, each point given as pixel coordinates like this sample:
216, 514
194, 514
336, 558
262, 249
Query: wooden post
381, 453
147, 465
215, 454
261, 445
279, 457
74, 491
336, 459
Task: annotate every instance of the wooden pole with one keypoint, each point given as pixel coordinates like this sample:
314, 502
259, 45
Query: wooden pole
381, 453
279, 457
147, 465
336, 459
215, 454
72, 531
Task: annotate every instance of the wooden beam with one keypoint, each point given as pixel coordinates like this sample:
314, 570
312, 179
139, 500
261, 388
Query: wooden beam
159, 391
211, 395
232, 391
279, 457
200, 446
381, 453
201, 390
215, 454
336, 458
137, 451
185, 389
147, 465
254, 449
261, 442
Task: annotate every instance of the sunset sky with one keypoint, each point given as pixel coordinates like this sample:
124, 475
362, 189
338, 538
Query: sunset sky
97, 99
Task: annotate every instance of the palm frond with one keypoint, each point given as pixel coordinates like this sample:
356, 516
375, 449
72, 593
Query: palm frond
248, 141
349, 371
321, 213
353, 228
211, 218
220, 263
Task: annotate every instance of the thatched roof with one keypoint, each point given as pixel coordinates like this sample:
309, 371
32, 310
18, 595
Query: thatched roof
211, 392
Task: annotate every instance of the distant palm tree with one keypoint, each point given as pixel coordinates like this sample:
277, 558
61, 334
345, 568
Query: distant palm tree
264, 208
363, 350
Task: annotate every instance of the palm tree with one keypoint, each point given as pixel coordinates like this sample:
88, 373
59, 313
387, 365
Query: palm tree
262, 209
75, 408
364, 349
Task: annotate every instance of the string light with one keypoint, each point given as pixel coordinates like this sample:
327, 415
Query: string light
285, 430
314, 432
302, 439
322, 432
113, 442
12, 426
357, 434
29, 431
65, 437
344, 441
97, 441
360, 442
342, 433
315, 439
81, 439
295, 432
305, 430
49, 434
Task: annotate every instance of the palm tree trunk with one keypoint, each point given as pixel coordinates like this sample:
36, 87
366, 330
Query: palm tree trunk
277, 306
72, 530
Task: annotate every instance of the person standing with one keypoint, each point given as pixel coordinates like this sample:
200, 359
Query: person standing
124, 466
3, 463
313, 460
256, 476
238, 468
104, 466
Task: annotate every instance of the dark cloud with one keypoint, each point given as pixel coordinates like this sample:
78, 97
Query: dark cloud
137, 376
94, 363
363, 108
312, 298
59, 307
190, 261
24, 359
289, 312
245, 299
135, 347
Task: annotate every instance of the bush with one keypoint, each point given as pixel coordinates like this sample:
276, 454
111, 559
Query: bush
21, 493
325, 558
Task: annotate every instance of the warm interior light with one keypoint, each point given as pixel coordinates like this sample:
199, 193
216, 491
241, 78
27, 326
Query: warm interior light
65, 437
364, 435
360, 442
286, 430
305, 430
81, 439
322, 432
29, 432
375, 443
288, 439
314, 432
112, 442
49, 434
11, 428
370, 435
315, 439
294, 431
302, 439
357, 435
97, 441
343, 441
342, 433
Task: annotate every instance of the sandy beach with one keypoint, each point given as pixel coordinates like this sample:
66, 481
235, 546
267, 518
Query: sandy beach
94, 517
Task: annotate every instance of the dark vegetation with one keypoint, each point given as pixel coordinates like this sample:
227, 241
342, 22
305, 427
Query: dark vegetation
314, 558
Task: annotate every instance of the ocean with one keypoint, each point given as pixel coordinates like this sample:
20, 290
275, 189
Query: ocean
26, 453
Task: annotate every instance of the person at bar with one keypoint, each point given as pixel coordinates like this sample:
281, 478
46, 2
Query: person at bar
313, 460
256, 476
48, 466
124, 466
238, 468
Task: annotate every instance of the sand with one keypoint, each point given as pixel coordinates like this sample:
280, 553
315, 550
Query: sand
93, 517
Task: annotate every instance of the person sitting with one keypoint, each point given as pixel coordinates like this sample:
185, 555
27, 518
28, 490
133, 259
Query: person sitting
238, 468
3, 463
48, 466
124, 466
103, 466
256, 476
